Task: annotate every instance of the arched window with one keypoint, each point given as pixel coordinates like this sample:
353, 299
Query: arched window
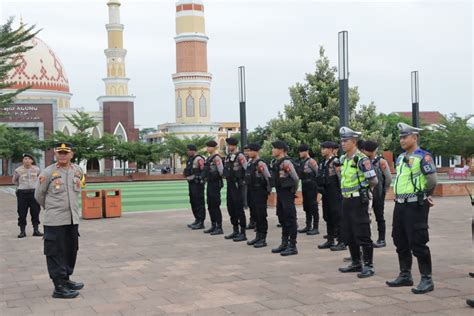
95, 133
120, 132
66, 131
179, 107
190, 106
202, 106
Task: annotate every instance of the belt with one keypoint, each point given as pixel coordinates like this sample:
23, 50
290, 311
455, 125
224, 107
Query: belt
352, 195
26, 190
409, 199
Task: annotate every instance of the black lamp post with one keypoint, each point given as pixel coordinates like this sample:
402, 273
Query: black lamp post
242, 100
415, 99
343, 70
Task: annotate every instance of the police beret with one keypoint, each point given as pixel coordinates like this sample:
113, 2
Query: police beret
347, 133
63, 147
406, 129
191, 147
254, 147
279, 144
329, 144
211, 143
28, 155
303, 147
370, 145
232, 141
246, 147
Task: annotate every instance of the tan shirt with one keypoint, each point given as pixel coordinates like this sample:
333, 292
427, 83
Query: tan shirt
58, 191
26, 178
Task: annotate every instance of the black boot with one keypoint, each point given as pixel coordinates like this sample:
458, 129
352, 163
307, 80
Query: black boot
328, 244
75, 286
254, 241
290, 250
241, 236
192, 224
233, 234
471, 274
22, 232
340, 246
218, 230
306, 229
62, 291
426, 283
198, 225
262, 242
356, 265
251, 224
279, 225
210, 229
470, 302
36, 231
283, 246
379, 243
314, 230
404, 277
368, 269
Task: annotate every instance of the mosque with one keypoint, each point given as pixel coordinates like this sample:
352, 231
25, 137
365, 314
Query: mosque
43, 108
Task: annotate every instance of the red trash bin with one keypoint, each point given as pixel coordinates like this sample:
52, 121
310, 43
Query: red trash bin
112, 203
91, 204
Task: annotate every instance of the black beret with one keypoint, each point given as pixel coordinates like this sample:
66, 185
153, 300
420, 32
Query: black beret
192, 147
64, 147
279, 144
370, 145
211, 143
246, 147
329, 144
303, 147
232, 141
254, 147
28, 155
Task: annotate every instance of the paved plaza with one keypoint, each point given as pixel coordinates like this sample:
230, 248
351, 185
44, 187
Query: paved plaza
149, 263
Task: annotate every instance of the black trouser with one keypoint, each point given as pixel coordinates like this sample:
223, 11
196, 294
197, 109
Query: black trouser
286, 212
252, 210
332, 211
61, 244
257, 198
356, 228
410, 235
310, 203
378, 206
213, 192
26, 200
235, 204
196, 198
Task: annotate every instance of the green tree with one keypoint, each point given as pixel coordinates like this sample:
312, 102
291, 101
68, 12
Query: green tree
145, 131
366, 119
453, 136
12, 43
14, 142
178, 146
391, 131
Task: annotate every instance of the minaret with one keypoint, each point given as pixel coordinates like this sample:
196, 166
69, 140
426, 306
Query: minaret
191, 81
116, 83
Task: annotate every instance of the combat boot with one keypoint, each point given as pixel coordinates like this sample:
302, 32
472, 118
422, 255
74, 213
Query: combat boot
368, 268
199, 225
241, 236
233, 234
251, 224
327, 244
22, 232
262, 242
313, 231
36, 231
283, 246
210, 229
355, 265
75, 286
306, 229
340, 246
62, 291
426, 283
218, 230
404, 277
192, 224
254, 241
470, 302
290, 250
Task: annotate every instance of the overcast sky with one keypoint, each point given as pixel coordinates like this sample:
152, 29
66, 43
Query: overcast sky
277, 41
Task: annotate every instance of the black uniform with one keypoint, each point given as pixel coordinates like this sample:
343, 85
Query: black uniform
234, 172
307, 174
195, 177
213, 190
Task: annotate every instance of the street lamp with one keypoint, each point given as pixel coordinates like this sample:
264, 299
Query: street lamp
415, 99
343, 70
242, 100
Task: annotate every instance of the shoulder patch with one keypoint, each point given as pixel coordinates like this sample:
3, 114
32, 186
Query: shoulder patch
367, 164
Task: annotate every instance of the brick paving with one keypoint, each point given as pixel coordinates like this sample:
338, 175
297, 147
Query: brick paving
151, 264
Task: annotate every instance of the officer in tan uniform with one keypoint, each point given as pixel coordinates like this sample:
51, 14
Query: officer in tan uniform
58, 192
25, 178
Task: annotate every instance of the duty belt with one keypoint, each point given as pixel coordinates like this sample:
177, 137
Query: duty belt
407, 198
350, 195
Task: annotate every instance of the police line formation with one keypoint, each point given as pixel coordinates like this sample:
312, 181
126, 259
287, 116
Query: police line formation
346, 183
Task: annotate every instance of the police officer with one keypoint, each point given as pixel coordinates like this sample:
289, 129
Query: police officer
213, 170
251, 222
234, 172
257, 179
307, 172
25, 178
357, 176
58, 191
415, 181
329, 184
286, 182
369, 148
194, 173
